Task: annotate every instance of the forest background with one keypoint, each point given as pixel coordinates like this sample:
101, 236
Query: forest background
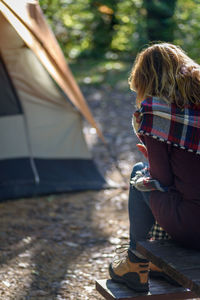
53, 247
102, 37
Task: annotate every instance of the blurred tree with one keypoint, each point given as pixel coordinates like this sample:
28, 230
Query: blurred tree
119, 29
102, 26
160, 23
187, 33
130, 30
71, 23
52, 9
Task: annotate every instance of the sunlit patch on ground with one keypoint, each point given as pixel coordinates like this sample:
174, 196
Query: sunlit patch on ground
54, 247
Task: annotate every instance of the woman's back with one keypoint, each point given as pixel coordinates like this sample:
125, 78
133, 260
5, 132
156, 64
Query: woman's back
178, 210
167, 83
186, 169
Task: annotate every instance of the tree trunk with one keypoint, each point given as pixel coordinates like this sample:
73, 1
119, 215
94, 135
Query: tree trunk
159, 19
103, 24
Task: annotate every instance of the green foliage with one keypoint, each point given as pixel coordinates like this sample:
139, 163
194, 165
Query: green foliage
112, 29
108, 72
160, 23
187, 34
103, 24
71, 22
96, 27
129, 29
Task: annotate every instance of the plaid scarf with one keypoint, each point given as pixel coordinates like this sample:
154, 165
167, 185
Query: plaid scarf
168, 123
158, 233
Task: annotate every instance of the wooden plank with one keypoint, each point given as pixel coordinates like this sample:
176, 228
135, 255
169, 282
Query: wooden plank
182, 264
173, 253
159, 289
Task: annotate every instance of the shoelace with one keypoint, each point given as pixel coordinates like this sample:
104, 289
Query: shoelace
122, 248
119, 250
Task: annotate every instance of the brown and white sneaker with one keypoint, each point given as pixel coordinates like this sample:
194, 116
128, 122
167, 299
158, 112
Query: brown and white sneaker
132, 271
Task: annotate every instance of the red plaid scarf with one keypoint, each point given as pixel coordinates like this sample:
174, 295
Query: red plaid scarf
169, 123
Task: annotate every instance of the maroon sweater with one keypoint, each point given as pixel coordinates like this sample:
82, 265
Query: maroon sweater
177, 211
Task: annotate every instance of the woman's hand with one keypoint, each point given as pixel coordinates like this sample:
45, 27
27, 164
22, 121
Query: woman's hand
143, 150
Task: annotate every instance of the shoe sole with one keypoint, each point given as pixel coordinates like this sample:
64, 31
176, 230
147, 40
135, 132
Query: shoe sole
129, 284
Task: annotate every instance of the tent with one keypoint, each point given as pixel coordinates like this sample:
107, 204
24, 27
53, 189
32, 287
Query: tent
42, 147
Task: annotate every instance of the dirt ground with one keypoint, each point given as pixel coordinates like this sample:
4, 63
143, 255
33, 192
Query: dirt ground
54, 247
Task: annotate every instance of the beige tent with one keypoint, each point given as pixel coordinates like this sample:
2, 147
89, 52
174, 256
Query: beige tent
42, 145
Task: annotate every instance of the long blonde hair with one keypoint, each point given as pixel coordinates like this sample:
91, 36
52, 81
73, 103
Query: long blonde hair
164, 70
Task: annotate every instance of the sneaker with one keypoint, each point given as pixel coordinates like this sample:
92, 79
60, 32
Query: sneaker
156, 272
132, 271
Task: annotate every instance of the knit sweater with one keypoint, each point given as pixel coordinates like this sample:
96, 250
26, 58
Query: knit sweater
178, 210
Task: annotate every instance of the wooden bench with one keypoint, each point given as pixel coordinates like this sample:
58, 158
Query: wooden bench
181, 264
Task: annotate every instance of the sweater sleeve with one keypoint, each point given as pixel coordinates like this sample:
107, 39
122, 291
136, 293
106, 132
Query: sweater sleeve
159, 160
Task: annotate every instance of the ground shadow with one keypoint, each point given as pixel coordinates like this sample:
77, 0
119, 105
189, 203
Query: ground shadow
54, 247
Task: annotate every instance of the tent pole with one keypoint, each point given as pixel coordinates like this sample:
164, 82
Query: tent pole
32, 162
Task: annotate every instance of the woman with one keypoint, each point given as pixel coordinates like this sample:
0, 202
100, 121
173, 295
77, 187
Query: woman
167, 190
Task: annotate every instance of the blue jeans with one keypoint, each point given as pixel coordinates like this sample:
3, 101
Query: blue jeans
140, 214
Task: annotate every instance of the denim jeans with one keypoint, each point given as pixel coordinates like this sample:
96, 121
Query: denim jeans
140, 214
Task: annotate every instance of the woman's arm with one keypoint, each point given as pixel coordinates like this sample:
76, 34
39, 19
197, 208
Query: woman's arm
159, 160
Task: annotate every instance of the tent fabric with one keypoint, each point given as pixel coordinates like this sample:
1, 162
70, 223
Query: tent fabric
27, 19
43, 149
17, 178
10, 104
52, 121
13, 138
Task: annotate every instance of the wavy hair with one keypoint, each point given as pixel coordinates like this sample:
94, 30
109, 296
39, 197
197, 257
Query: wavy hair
164, 70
